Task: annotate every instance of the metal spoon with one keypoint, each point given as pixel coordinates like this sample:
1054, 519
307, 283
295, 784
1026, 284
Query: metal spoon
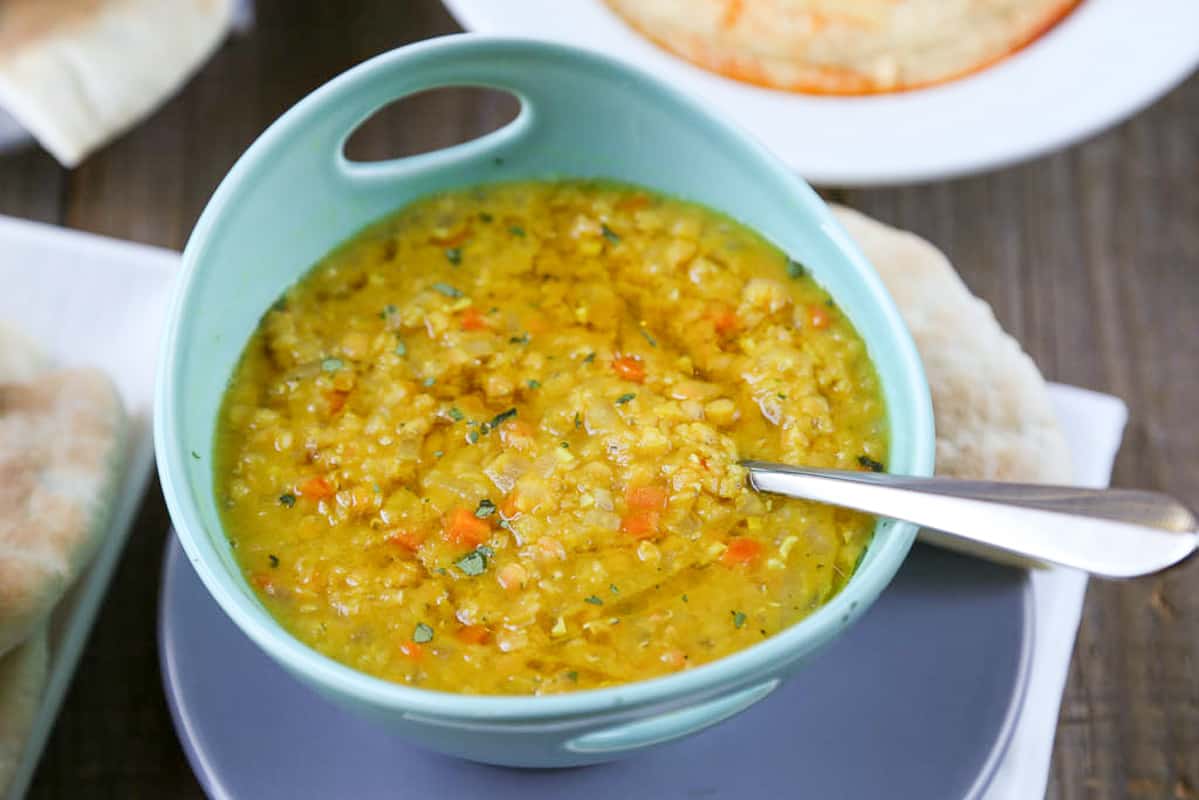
1115, 533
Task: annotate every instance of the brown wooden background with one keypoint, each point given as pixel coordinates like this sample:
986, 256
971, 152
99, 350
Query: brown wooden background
1090, 257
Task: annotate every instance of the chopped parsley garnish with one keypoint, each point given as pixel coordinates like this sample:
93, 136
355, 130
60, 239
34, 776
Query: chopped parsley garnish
500, 418
483, 215
401, 349
472, 437
782, 396
589, 358
332, 364
684, 598
565, 445
624, 398
438, 453
578, 420
652, 341
422, 634
456, 414
473, 563
573, 675
870, 464
522, 339
738, 619
387, 311
486, 508
274, 560
195, 455
446, 289
287, 499
594, 600
614, 588
454, 255
516, 230
795, 269
609, 234
429, 381
534, 384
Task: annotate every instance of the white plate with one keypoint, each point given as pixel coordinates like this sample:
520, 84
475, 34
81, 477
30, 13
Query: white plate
12, 135
92, 301
1107, 60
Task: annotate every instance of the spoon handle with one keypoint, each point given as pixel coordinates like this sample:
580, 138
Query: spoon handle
1110, 532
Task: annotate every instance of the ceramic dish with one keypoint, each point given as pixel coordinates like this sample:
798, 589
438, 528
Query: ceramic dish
96, 302
250, 730
1066, 86
294, 196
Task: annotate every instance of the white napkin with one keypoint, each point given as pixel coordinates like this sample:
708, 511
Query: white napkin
1093, 424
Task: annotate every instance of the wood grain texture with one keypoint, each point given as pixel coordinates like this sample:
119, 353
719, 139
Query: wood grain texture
1090, 257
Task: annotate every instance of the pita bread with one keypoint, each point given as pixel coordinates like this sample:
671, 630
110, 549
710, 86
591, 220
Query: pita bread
993, 416
61, 447
20, 358
22, 680
76, 73
842, 46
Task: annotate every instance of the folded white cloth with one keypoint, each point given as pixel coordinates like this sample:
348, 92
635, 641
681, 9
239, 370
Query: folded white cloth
75, 73
1093, 424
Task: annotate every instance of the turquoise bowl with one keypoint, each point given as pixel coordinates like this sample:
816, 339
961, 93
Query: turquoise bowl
294, 196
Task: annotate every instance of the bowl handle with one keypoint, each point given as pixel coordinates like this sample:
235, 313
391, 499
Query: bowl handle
671, 725
540, 78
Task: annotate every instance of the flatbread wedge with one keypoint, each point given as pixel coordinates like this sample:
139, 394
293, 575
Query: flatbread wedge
993, 416
62, 443
842, 46
22, 681
75, 73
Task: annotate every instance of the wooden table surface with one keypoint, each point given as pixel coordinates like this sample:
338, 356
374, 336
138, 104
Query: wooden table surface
1089, 257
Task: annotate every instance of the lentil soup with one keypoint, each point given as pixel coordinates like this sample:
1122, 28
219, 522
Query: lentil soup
491, 445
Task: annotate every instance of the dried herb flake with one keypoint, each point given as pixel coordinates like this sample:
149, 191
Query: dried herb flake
870, 464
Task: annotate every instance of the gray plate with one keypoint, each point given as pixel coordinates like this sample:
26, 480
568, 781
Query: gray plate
917, 701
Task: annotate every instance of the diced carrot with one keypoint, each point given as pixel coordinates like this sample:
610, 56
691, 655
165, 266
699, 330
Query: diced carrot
473, 320
464, 528
818, 317
317, 488
641, 524
409, 540
508, 508
337, 400
473, 634
453, 239
633, 203
675, 658
537, 324
647, 498
725, 321
516, 433
263, 582
741, 551
412, 650
629, 369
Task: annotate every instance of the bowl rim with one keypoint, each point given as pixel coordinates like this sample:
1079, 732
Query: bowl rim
763, 659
